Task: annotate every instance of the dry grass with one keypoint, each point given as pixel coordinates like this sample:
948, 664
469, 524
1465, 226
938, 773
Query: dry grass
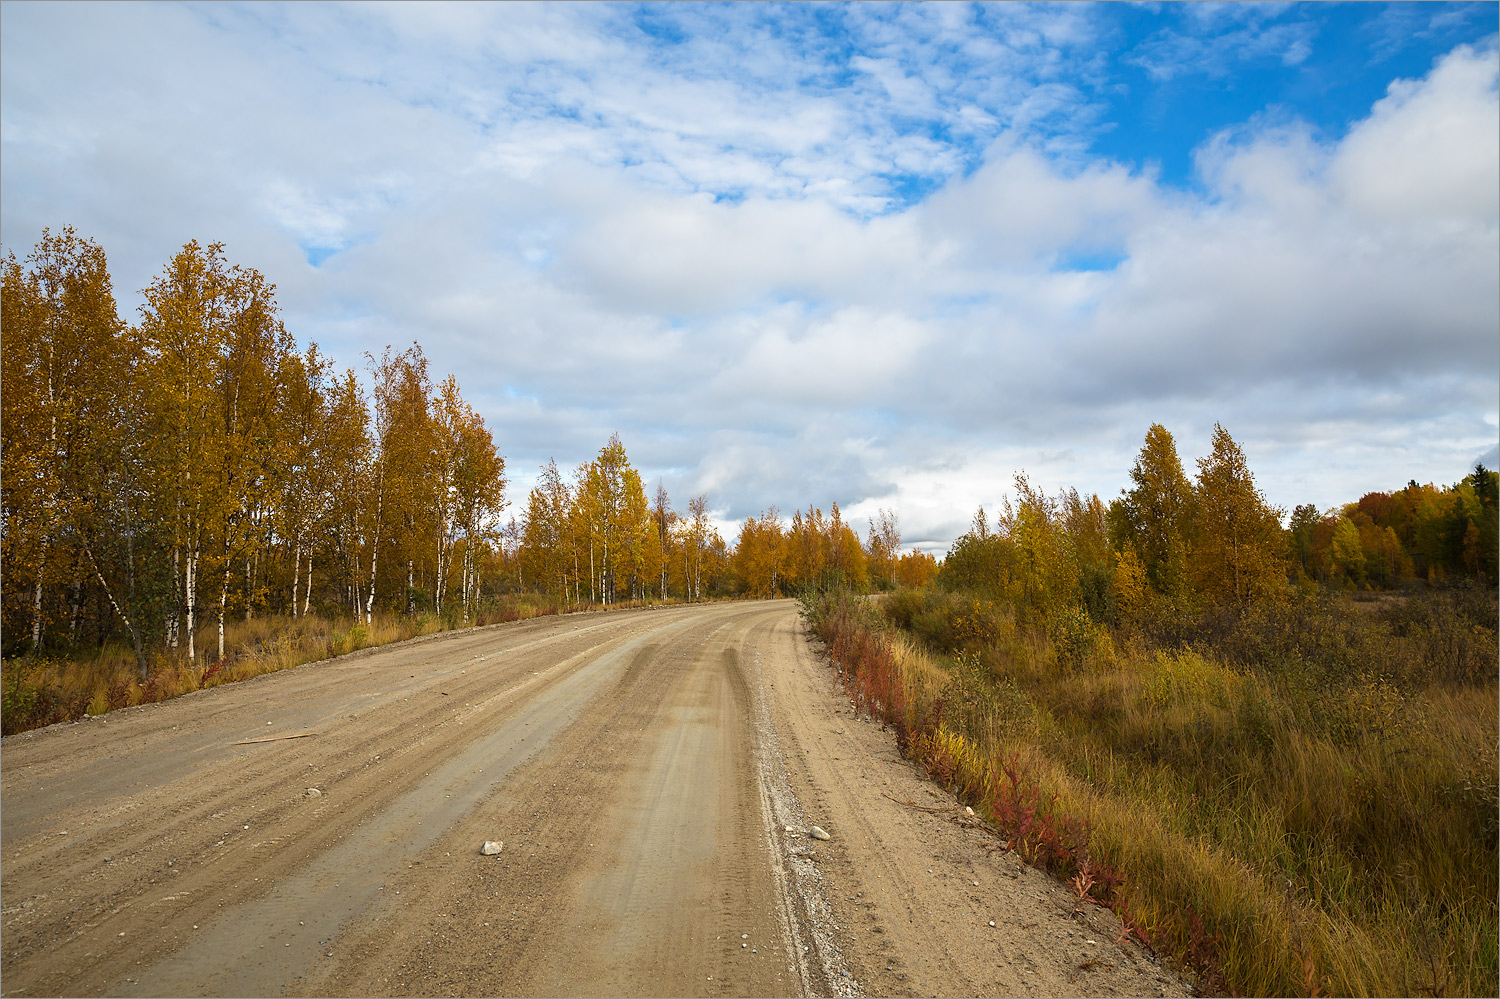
1279, 831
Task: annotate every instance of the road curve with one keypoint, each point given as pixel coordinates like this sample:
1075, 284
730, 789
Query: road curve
651, 773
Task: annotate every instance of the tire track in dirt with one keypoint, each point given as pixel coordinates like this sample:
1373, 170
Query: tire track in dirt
634, 859
179, 851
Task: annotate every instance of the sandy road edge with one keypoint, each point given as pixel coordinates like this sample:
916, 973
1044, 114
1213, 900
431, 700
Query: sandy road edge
805, 914
909, 897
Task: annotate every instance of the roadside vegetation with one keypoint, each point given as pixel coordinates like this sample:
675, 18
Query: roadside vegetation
1285, 780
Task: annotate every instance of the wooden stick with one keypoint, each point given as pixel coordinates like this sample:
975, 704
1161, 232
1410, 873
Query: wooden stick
274, 738
912, 804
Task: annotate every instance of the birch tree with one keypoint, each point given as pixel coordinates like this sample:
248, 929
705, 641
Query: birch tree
662, 519
476, 485
883, 547
404, 492
64, 398
185, 329
544, 536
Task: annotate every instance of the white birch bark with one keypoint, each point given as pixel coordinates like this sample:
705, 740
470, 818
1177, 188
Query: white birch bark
306, 603
296, 577
224, 593
192, 603
374, 553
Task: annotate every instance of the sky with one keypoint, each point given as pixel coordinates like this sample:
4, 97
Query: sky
885, 256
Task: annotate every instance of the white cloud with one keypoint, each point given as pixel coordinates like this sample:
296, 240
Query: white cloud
1427, 152
705, 247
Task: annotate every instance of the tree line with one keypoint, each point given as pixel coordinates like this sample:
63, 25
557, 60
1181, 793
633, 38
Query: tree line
598, 538
1168, 547
164, 477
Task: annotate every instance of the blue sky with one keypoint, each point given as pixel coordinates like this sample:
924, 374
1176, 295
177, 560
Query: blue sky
887, 255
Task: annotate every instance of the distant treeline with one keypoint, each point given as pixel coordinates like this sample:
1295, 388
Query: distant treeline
1168, 549
597, 538
163, 477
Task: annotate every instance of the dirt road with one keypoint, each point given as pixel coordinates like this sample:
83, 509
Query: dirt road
652, 775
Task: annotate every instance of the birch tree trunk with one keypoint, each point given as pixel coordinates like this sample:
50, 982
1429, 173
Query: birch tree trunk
190, 597
174, 620
374, 552
73, 613
296, 577
36, 605
49, 506
135, 635
224, 594
307, 603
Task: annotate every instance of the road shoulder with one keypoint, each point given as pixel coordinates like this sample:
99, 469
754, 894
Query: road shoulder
920, 901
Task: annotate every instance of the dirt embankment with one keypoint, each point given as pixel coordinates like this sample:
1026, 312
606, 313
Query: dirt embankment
316, 832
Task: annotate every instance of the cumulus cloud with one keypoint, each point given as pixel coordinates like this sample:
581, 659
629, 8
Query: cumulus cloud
862, 256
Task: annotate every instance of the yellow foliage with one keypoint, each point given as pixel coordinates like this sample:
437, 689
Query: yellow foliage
1188, 676
1132, 590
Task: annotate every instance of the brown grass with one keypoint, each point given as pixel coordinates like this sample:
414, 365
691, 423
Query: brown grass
1278, 831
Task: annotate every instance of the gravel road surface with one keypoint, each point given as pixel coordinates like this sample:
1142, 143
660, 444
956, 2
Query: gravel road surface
652, 775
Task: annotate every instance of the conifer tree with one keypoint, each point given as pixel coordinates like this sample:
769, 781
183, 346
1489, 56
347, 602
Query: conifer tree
1238, 544
1154, 515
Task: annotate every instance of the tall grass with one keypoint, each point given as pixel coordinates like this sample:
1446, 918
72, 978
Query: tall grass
1302, 800
43, 690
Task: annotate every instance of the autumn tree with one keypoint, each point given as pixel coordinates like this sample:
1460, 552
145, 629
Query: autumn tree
916, 569
697, 533
247, 388
307, 474
1301, 531
67, 395
1347, 554
1153, 516
883, 547
1238, 544
1045, 569
979, 560
191, 328
662, 519
1131, 590
758, 554
634, 532
545, 552
1085, 520
196, 461
405, 490
807, 548
622, 503
470, 492
347, 457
